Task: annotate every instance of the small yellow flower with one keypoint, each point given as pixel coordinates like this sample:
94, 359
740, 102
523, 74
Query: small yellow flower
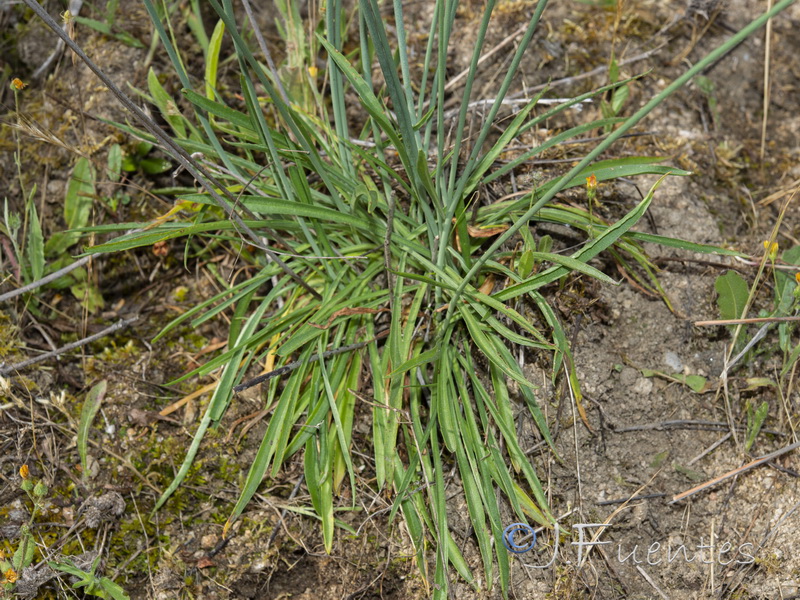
69, 25
771, 248
591, 188
24, 472
18, 84
10, 576
313, 72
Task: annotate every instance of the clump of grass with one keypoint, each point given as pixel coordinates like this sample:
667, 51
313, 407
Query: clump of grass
376, 285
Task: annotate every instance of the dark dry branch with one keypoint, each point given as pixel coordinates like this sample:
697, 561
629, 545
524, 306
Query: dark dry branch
285, 511
734, 472
12, 369
686, 424
45, 280
293, 365
265, 50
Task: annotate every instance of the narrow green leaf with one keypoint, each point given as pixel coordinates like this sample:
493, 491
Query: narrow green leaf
417, 361
231, 374
486, 343
212, 59
272, 444
470, 179
217, 109
35, 247
90, 407
587, 252
789, 362
424, 175
574, 265
444, 400
165, 103
342, 433
369, 101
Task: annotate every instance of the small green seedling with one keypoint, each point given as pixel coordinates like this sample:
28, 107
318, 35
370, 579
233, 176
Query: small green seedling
101, 587
708, 89
138, 160
617, 97
755, 419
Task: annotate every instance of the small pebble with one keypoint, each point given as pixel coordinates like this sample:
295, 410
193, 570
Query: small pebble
673, 361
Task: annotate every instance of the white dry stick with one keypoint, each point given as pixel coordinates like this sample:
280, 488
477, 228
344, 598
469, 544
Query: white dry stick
649, 580
74, 9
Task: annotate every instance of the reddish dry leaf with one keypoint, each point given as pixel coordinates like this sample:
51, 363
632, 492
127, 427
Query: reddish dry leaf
161, 248
486, 232
488, 286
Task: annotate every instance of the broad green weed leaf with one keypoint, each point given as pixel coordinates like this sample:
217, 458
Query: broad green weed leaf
526, 263
613, 70
23, 556
89, 295
733, 293
785, 282
114, 169
112, 589
691, 474
77, 208
155, 166
697, 383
